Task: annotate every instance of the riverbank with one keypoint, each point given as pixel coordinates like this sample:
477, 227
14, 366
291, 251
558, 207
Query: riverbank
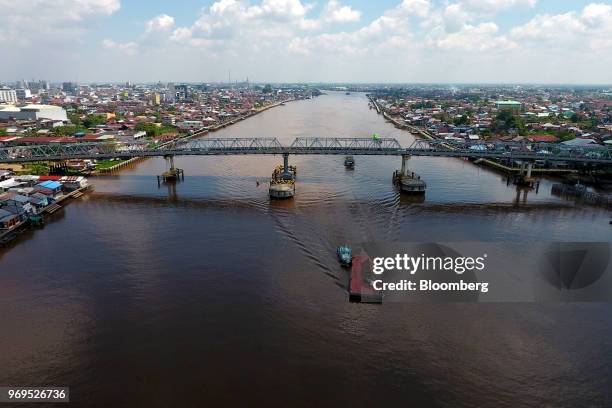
198, 133
39, 218
416, 131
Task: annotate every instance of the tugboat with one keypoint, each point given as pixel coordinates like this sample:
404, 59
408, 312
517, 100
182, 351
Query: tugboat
349, 162
345, 255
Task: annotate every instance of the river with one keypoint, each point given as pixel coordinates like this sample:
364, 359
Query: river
139, 295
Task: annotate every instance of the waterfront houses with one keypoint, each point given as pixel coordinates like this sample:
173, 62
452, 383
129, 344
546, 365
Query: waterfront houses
25, 195
513, 113
151, 114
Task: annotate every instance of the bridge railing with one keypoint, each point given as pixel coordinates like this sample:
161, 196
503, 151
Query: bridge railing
233, 144
344, 143
312, 145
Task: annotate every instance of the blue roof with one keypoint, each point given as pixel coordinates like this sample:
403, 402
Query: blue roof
50, 184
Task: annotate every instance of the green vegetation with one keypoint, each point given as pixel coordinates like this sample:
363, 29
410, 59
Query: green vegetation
267, 89
505, 121
462, 120
422, 105
69, 130
153, 130
106, 164
37, 169
89, 121
2, 132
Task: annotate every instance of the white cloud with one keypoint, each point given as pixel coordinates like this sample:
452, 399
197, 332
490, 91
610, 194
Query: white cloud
495, 6
129, 48
570, 31
455, 17
482, 37
59, 9
24, 22
418, 8
163, 22
334, 12
426, 40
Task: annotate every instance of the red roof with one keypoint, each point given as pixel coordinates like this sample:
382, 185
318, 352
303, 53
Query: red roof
46, 139
544, 138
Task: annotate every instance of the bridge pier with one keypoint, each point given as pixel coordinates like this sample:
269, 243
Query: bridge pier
282, 182
286, 171
408, 182
529, 168
524, 178
405, 159
172, 174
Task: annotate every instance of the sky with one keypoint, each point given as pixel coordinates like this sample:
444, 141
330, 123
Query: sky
364, 41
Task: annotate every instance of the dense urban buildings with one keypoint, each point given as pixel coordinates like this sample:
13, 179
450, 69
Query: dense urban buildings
70, 112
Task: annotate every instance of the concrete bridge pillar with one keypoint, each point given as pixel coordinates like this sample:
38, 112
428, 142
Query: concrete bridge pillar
405, 159
286, 172
170, 159
529, 169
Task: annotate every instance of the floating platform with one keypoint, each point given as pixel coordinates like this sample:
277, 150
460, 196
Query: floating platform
409, 183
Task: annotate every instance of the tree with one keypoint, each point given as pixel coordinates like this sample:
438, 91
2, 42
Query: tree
69, 130
267, 89
507, 120
152, 129
75, 118
462, 120
94, 120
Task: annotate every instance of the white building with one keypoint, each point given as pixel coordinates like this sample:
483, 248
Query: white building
33, 112
8, 95
23, 93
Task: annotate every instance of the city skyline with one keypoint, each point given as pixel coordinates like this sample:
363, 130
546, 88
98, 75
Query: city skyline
280, 41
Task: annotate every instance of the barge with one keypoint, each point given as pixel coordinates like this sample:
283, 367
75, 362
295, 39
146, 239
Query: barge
409, 183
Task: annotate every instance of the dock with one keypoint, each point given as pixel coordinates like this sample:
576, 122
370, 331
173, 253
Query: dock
8, 235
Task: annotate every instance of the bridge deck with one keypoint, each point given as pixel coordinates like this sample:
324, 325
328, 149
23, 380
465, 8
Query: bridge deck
309, 146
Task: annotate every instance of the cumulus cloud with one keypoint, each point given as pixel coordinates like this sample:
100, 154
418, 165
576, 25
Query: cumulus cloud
24, 22
334, 12
391, 30
495, 6
572, 30
481, 37
418, 8
307, 39
163, 22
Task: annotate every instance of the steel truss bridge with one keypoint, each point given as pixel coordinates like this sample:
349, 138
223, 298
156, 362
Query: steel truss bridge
309, 146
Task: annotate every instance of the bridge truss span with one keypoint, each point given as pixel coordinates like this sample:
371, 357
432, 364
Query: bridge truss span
344, 144
600, 155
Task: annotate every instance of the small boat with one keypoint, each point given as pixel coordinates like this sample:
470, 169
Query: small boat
345, 255
349, 162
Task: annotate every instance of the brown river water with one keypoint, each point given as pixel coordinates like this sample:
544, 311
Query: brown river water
209, 294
